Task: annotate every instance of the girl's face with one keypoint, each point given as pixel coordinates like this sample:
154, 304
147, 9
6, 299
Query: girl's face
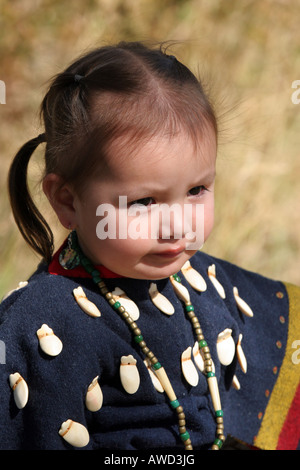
157, 224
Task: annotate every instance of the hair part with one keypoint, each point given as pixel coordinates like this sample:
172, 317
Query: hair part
127, 90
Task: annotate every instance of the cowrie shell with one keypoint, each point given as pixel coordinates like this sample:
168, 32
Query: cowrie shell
127, 303
188, 368
155, 381
49, 342
240, 355
193, 277
94, 396
242, 305
160, 301
129, 374
20, 286
86, 305
225, 347
20, 389
180, 290
214, 280
74, 433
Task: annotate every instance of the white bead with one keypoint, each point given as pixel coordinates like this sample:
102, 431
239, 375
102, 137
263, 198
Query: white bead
214, 392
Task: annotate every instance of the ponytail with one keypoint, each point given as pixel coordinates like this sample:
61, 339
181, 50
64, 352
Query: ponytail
29, 220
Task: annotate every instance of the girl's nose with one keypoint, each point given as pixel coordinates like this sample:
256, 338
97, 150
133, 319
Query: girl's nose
174, 221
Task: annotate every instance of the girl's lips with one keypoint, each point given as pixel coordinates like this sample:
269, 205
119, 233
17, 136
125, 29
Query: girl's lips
170, 253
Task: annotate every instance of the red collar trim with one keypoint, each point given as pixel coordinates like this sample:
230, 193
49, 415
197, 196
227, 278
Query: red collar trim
55, 268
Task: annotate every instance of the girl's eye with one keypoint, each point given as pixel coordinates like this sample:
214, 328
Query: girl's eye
146, 201
197, 190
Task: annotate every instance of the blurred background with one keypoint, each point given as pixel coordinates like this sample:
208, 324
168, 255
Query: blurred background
248, 54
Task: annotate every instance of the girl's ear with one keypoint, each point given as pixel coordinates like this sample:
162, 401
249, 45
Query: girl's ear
61, 198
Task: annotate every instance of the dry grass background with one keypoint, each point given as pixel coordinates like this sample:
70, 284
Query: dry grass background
248, 53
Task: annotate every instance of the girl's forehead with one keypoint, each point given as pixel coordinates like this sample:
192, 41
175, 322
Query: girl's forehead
161, 153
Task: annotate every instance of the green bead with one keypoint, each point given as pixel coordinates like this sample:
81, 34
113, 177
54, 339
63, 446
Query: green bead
138, 338
176, 277
174, 403
211, 374
156, 366
95, 275
218, 443
189, 308
202, 343
116, 305
184, 436
219, 413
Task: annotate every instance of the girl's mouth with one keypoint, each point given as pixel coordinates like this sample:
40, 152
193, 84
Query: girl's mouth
170, 253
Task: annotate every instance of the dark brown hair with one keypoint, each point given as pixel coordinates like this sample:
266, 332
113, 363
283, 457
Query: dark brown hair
127, 90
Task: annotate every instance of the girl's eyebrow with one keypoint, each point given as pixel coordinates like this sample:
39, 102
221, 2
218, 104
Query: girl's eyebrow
208, 177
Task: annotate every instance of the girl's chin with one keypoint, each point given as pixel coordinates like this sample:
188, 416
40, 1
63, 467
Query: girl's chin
163, 270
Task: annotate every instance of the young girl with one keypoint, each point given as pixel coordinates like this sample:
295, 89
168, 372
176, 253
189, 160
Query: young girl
123, 341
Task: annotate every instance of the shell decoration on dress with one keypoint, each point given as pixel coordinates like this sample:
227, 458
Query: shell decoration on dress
242, 305
49, 342
127, 303
240, 355
86, 305
156, 383
74, 433
160, 301
188, 367
193, 277
20, 389
235, 383
94, 396
225, 347
212, 276
199, 359
129, 374
20, 286
180, 290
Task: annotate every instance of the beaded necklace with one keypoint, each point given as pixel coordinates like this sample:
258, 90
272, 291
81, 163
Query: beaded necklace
155, 364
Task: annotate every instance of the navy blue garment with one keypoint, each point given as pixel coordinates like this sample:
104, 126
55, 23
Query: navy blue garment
93, 347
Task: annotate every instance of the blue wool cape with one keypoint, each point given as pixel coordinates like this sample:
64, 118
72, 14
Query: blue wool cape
259, 412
